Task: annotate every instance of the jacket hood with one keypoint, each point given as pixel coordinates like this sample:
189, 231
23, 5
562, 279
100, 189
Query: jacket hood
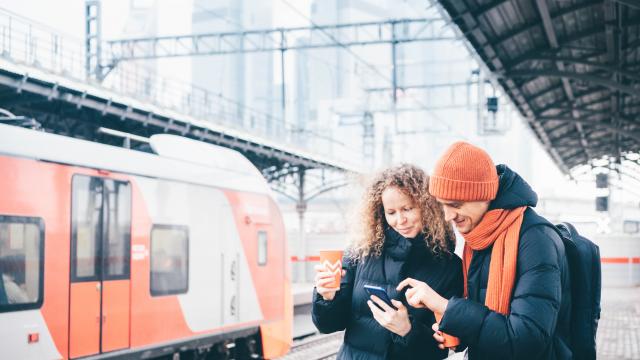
513, 191
398, 246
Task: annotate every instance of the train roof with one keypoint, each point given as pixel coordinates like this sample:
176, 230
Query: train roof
176, 158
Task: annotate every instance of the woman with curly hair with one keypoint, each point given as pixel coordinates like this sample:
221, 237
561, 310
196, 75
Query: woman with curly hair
403, 234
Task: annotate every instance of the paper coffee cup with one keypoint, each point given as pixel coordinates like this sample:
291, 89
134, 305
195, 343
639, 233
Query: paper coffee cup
331, 260
449, 340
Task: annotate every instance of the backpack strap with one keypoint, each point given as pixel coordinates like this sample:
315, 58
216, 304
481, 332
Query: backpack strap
3, 293
531, 219
564, 230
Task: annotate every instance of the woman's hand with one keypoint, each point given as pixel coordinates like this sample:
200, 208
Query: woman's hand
322, 279
421, 295
396, 321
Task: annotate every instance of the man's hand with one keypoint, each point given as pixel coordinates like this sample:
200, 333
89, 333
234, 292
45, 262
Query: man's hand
437, 334
421, 295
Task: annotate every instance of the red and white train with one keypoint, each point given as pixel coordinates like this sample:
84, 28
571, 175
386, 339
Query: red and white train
113, 253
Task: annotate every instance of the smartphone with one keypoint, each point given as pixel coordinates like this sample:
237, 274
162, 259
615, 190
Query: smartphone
381, 294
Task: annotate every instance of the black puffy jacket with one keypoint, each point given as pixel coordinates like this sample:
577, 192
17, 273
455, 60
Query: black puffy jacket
538, 324
364, 337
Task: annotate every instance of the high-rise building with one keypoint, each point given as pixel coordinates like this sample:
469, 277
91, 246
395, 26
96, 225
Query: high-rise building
246, 79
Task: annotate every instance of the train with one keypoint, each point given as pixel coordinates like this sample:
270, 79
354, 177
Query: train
109, 253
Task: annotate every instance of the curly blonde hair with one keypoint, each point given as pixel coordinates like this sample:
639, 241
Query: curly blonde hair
413, 182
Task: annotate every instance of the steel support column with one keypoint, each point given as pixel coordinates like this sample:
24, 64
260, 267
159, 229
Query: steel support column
283, 92
301, 208
93, 39
394, 69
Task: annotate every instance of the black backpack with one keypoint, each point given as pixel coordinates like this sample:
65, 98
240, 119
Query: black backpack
586, 283
583, 257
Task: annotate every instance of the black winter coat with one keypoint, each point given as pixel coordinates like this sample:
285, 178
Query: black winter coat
539, 322
364, 337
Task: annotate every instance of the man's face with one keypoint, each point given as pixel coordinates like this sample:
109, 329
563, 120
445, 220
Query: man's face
466, 215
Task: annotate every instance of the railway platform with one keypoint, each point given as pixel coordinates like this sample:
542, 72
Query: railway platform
618, 331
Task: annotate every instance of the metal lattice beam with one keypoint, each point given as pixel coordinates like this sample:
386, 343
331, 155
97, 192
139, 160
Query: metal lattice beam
533, 98
281, 39
600, 66
590, 114
482, 9
563, 102
550, 33
557, 17
487, 51
631, 90
611, 128
613, 42
583, 96
635, 4
573, 38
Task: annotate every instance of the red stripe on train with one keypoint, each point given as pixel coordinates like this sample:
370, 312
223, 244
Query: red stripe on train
620, 260
306, 258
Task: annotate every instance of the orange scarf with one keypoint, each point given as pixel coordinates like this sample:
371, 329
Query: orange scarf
502, 229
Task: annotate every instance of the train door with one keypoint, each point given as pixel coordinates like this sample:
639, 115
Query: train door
99, 291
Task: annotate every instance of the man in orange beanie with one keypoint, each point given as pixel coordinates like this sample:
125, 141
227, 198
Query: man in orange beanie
516, 276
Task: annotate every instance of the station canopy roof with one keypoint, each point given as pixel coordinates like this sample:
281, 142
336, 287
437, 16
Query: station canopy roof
572, 67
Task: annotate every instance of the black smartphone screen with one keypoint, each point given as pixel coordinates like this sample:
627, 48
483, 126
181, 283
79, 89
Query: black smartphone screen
381, 294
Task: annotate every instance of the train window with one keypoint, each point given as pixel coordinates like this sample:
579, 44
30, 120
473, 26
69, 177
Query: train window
21, 263
631, 227
117, 207
262, 248
86, 220
169, 260
101, 229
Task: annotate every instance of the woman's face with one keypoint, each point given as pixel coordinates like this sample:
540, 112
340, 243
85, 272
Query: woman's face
401, 213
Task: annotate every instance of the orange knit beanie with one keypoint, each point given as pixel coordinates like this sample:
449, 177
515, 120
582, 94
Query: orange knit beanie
464, 173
